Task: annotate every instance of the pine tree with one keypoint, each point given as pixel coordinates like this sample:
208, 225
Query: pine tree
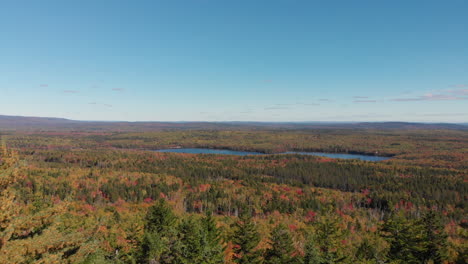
312, 254
367, 252
406, 239
160, 235
245, 240
159, 217
329, 235
191, 248
281, 247
435, 239
213, 252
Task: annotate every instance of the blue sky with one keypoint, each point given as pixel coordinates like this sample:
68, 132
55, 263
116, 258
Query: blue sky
218, 60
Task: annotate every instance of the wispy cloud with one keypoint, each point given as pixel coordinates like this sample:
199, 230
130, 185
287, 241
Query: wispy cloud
100, 104
324, 100
365, 101
347, 117
118, 89
406, 99
431, 97
459, 85
44, 85
360, 97
70, 91
459, 91
438, 97
283, 104
308, 104
277, 108
448, 114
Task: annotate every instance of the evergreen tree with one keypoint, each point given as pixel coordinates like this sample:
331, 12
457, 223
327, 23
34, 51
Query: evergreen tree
159, 238
159, 217
281, 247
245, 240
199, 242
190, 249
435, 239
213, 251
368, 252
329, 235
312, 254
406, 239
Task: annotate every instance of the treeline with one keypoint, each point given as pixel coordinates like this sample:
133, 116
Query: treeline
76, 204
387, 186
169, 239
429, 148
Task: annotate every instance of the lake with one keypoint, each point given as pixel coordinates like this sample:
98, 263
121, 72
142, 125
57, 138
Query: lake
341, 156
244, 153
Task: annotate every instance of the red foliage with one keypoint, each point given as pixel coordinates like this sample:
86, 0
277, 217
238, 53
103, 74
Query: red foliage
338, 211
349, 207
29, 184
204, 187
366, 192
405, 205
310, 216
87, 208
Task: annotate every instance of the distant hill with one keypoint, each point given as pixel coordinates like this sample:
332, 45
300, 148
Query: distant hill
51, 123
12, 121
409, 125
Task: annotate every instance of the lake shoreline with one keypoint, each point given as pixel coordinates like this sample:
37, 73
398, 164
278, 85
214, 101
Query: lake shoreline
219, 151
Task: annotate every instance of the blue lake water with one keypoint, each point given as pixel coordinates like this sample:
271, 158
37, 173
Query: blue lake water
210, 151
341, 156
244, 153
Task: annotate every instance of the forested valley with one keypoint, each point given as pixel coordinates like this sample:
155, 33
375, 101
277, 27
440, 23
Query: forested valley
108, 197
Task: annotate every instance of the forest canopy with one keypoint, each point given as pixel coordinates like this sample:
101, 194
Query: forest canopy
94, 197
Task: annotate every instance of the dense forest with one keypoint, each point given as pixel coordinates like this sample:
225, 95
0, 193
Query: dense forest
87, 196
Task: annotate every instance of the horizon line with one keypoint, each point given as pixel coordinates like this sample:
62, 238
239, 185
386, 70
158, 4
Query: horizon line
236, 121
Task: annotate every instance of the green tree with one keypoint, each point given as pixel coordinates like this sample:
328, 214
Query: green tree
281, 247
159, 237
312, 254
371, 250
190, 249
329, 236
159, 217
199, 242
245, 240
435, 239
406, 239
213, 251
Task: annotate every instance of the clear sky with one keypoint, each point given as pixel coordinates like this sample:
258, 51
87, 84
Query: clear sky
224, 60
